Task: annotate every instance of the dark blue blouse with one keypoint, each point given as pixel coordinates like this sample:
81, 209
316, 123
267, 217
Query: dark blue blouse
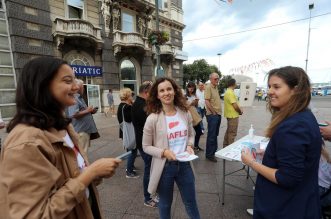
294, 149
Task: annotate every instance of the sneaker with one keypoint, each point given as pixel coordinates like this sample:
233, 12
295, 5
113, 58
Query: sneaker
151, 203
132, 175
250, 211
212, 159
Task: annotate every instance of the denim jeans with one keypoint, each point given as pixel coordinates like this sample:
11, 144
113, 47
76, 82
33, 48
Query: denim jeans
202, 114
198, 134
131, 159
214, 122
147, 163
182, 174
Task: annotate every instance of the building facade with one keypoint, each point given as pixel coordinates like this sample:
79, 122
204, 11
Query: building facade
105, 41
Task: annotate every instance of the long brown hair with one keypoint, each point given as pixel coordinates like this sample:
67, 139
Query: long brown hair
154, 105
297, 79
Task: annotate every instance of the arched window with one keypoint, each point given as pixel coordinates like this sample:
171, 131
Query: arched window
128, 75
128, 71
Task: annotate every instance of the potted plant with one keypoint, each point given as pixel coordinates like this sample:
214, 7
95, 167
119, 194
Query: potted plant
158, 37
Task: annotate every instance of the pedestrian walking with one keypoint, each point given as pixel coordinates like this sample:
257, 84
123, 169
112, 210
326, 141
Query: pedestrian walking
82, 118
111, 106
167, 132
124, 113
231, 113
44, 170
213, 114
139, 116
288, 175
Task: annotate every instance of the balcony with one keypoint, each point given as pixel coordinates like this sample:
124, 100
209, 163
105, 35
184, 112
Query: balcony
122, 39
69, 28
166, 49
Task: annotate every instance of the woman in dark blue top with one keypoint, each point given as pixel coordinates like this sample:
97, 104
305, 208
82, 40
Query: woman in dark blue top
287, 181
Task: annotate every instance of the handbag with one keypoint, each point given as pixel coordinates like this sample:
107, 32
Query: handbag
195, 115
129, 139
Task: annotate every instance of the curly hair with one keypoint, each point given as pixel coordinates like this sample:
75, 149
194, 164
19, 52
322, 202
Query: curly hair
154, 105
297, 79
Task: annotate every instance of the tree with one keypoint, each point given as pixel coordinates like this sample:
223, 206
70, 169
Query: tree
199, 70
223, 83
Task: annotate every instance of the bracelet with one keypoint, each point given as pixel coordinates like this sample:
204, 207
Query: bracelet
162, 154
251, 163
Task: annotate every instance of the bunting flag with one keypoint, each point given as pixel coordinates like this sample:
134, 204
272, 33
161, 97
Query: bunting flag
258, 65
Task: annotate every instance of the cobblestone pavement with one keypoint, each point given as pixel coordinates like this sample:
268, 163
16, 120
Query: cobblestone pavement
123, 198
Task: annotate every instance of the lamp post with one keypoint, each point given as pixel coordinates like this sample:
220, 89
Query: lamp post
311, 6
159, 71
219, 61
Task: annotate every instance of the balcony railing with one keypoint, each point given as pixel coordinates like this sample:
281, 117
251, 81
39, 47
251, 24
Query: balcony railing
165, 50
77, 27
130, 40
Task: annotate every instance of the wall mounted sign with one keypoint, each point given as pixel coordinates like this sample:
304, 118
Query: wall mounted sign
82, 70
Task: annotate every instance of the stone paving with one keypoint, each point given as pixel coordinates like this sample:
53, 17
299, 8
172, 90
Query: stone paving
123, 198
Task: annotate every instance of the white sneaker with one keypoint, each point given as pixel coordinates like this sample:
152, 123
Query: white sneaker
250, 211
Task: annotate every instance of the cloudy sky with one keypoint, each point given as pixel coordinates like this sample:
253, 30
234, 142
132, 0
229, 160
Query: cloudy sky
210, 24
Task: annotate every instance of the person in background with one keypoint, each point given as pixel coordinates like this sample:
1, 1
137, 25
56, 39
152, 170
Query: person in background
124, 111
213, 114
168, 131
192, 101
231, 113
110, 99
259, 95
200, 93
139, 117
287, 179
324, 178
82, 118
326, 131
44, 171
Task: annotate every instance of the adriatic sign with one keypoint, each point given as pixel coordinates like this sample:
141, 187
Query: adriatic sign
82, 70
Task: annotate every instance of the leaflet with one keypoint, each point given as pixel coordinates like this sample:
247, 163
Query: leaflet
185, 156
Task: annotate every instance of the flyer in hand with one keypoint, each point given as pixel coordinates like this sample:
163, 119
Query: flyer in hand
185, 156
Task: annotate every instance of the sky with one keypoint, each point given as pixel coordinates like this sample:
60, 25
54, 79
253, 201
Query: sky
254, 53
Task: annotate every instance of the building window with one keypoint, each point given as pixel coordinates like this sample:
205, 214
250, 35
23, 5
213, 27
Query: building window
1, 5
75, 8
128, 71
128, 23
160, 3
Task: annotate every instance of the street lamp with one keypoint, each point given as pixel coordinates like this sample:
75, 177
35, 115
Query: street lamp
219, 61
159, 71
311, 6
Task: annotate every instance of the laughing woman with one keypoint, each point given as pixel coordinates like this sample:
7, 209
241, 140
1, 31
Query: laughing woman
43, 170
287, 181
167, 132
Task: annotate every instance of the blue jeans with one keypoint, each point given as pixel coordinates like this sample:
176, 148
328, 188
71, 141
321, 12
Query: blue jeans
147, 161
182, 173
326, 200
198, 134
131, 159
214, 122
202, 114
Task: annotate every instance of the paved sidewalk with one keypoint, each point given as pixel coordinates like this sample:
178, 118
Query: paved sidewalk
123, 198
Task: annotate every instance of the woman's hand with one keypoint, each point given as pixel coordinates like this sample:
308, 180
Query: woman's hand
189, 149
169, 154
102, 168
246, 157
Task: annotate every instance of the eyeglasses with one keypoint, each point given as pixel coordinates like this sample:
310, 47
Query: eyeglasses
216, 79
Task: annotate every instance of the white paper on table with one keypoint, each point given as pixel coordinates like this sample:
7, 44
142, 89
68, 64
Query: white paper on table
185, 156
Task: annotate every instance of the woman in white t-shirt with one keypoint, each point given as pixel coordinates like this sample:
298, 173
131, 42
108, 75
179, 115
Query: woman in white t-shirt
168, 131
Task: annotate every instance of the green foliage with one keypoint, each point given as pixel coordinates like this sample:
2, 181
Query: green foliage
223, 83
158, 37
199, 70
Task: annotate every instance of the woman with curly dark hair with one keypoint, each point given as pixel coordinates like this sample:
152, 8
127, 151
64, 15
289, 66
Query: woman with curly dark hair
168, 131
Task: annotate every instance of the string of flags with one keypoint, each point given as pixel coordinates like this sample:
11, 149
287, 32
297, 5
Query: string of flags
265, 63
